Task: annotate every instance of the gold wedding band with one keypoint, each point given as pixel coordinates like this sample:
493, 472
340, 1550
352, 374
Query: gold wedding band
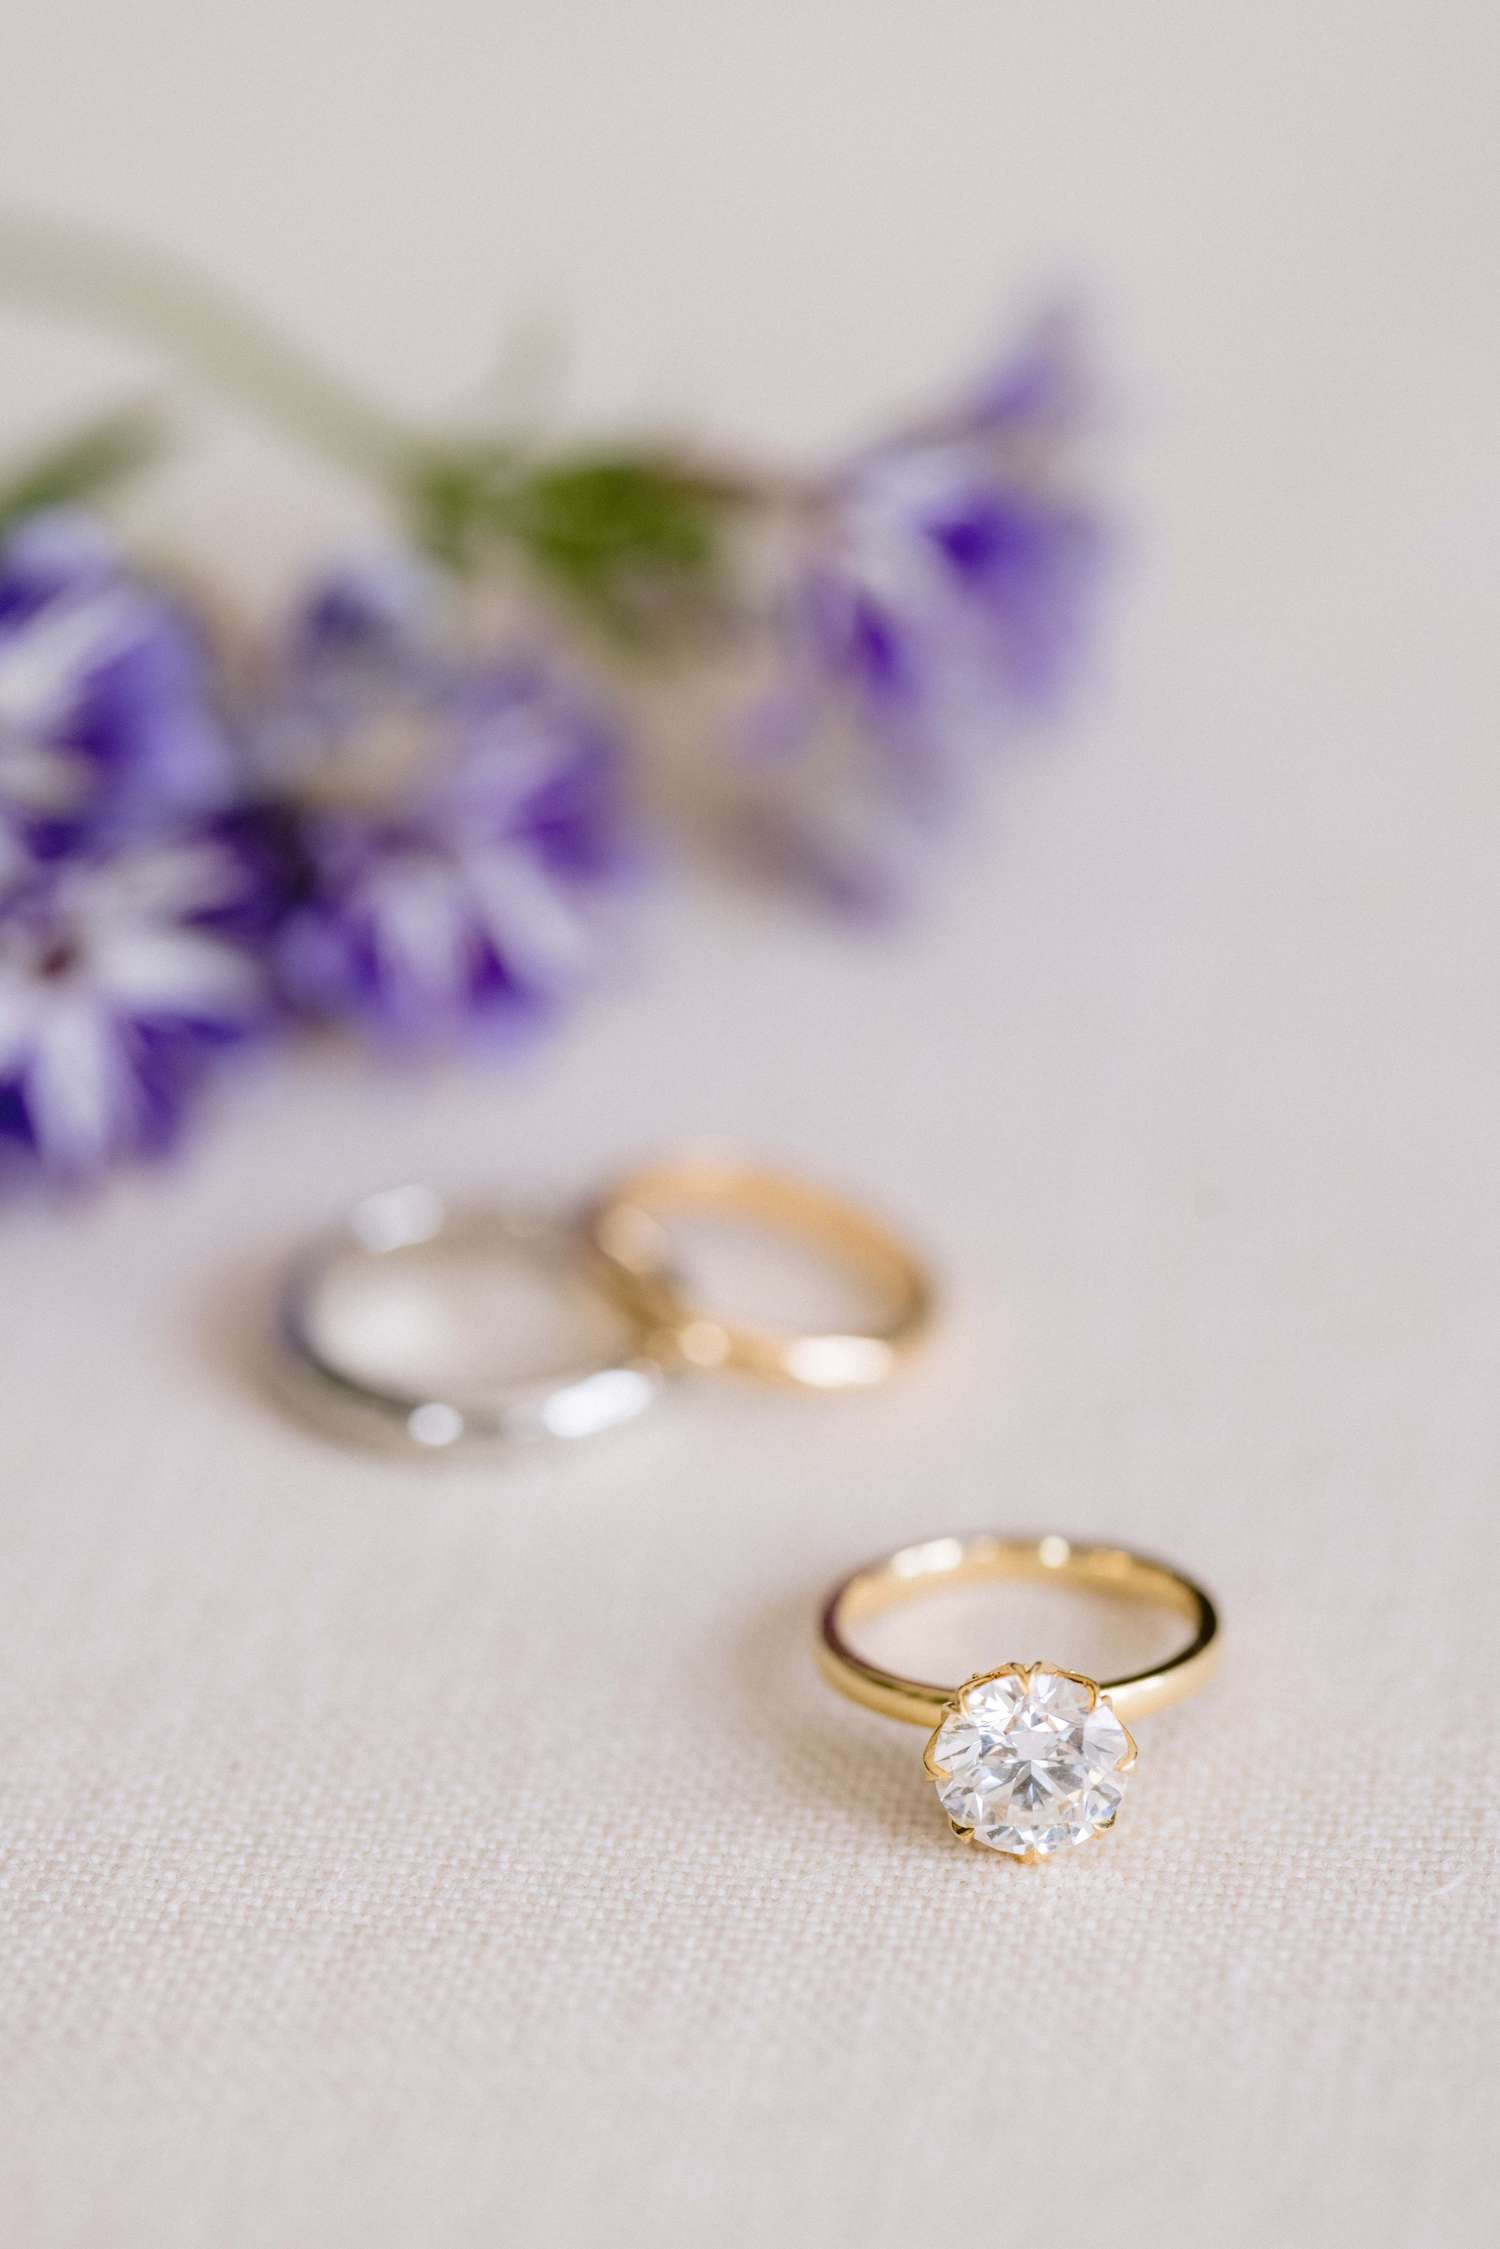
627, 1226
1028, 1758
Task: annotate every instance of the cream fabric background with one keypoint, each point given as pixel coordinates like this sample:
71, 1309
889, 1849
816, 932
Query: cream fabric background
360, 1887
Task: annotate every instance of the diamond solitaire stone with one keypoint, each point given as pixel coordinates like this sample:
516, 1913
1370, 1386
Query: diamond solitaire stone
1030, 1760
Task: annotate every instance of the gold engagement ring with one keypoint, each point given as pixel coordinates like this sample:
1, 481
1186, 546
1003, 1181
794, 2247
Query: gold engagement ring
1028, 1758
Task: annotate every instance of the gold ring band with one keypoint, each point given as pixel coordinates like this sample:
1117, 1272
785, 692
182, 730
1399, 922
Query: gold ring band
915, 1570
1028, 1758
627, 1230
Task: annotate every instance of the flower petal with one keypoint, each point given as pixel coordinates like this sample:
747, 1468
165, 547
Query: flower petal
180, 973
18, 1014
40, 662
80, 1093
538, 934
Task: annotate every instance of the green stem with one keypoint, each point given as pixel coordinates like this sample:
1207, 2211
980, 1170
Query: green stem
213, 336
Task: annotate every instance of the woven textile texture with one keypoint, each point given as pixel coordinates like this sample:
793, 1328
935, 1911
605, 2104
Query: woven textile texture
393, 1858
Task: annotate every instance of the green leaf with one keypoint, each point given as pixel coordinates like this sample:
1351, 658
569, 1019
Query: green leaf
631, 540
456, 497
82, 465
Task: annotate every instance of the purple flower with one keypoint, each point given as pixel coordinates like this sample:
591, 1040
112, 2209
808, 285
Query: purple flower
122, 973
107, 728
457, 811
942, 589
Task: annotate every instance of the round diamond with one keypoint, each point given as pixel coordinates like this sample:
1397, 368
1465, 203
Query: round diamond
1031, 1760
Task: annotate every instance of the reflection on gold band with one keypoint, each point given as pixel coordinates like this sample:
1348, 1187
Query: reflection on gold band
627, 1229
917, 1570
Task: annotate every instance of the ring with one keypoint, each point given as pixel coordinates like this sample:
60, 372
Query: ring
628, 1233
1028, 1758
326, 1380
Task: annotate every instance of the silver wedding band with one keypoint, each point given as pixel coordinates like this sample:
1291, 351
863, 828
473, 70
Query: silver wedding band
326, 1382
